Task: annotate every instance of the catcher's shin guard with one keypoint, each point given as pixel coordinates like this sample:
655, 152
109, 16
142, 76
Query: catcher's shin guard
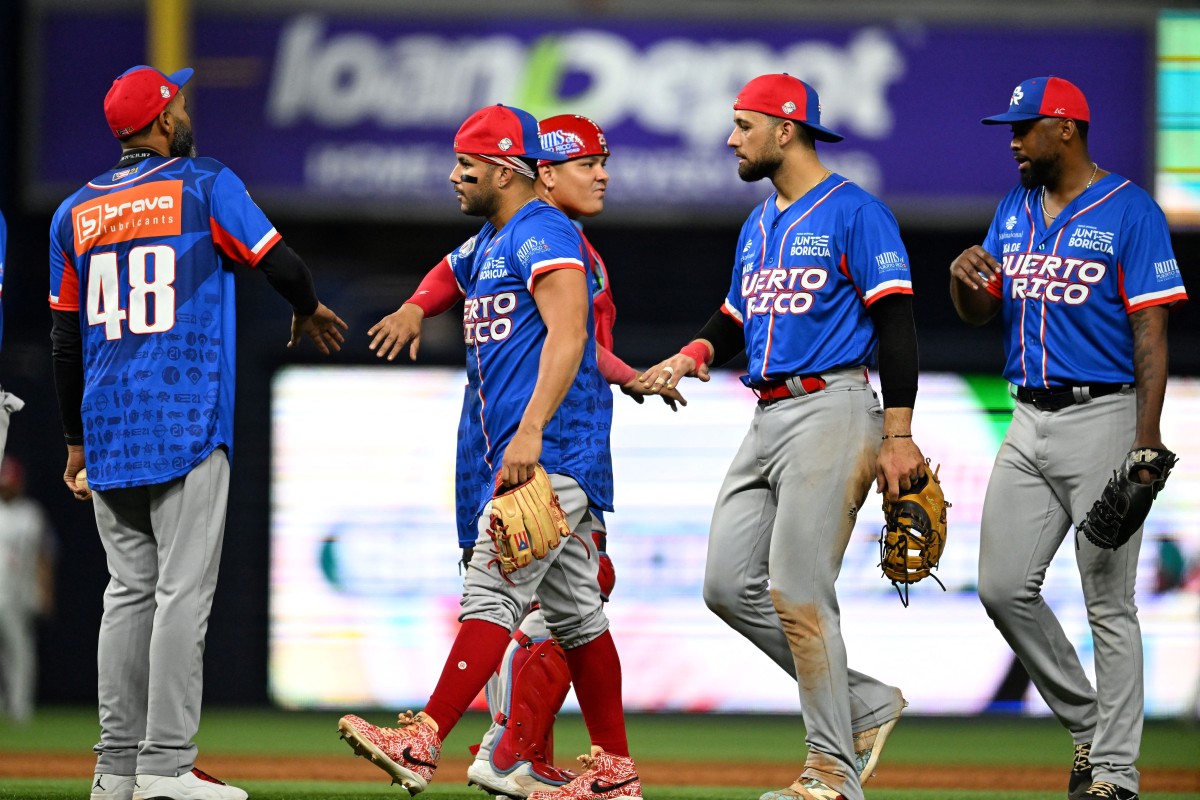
540, 681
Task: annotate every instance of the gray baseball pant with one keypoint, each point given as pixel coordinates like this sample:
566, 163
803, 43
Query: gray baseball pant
163, 544
1051, 468
780, 528
564, 581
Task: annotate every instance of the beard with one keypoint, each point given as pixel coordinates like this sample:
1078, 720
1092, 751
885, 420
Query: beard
183, 143
1041, 172
484, 204
764, 167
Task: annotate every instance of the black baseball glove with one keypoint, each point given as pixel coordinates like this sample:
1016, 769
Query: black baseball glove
1125, 502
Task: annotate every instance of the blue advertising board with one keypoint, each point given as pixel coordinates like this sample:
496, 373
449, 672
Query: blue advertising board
352, 114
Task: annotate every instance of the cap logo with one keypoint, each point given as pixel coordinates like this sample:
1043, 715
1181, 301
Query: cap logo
164, 91
1060, 110
505, 144
789, 107
1017, 96
603, 142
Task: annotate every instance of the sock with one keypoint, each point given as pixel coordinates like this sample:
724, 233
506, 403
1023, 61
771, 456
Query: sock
596, 675
473, 657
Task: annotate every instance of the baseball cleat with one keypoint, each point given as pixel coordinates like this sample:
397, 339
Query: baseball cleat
868, 746
194, 785
519, 781
804, 789
408, 753
1081, 772
605, 776
107, 786
1103, 790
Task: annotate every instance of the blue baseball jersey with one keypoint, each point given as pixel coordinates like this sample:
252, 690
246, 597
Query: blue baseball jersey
3, 247
505, 333
140, 252
1067, 290
805, 276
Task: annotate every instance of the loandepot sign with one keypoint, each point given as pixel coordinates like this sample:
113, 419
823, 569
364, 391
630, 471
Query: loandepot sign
675, 87
357, 115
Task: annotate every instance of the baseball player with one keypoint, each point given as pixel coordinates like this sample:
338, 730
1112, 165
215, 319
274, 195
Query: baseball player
142, 299
1078, 261
820, 278
534, 383
9, 402
27, 556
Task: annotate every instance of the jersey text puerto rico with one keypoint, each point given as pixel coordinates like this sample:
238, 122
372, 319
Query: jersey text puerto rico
1036, 276
782, 290
485, 320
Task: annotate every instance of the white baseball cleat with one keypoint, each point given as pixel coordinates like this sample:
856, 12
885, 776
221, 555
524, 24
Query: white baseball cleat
194, 785
107, 786
519, 782
868, 746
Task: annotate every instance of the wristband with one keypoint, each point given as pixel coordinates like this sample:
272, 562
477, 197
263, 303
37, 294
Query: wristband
896, 436
697, 351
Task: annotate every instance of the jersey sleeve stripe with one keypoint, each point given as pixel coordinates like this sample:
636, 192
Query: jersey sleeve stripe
899, 286
67, 298
265, 242
1174, 294
543, 267
728, 308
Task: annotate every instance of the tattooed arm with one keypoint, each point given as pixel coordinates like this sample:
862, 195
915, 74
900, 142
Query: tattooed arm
1149, 372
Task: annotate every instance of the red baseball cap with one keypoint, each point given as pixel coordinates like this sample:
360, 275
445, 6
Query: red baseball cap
781, 95
139, 95
1043, 97
572, 136
504, 131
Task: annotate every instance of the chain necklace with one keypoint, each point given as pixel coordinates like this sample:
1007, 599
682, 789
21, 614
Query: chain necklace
1042, 196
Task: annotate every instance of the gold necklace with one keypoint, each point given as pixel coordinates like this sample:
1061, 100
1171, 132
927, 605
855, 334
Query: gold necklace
1042, 196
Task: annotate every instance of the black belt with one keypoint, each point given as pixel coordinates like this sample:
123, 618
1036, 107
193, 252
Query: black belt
1062, 396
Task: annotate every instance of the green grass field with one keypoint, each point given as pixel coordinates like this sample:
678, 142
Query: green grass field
932, 744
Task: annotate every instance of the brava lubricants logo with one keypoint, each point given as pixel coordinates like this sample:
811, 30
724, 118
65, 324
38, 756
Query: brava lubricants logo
149, 210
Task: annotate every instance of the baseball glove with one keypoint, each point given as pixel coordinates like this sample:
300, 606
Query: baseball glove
526, 522
914, 533
1124, 503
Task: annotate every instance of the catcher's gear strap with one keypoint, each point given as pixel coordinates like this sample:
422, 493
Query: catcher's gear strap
540, 682
1124, 503
914, 533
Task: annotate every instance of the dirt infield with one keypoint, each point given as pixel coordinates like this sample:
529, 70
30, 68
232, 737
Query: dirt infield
662, 773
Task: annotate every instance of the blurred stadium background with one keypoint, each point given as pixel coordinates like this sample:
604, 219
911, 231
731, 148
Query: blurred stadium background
339, 117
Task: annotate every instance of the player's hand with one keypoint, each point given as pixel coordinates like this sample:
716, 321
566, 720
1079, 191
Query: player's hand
401, 327
322, 326
520, 457
898, 466
666, 374
74, 465
638, 390
975, 267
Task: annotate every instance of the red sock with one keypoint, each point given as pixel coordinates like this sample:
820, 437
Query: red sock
477, 650
596, 674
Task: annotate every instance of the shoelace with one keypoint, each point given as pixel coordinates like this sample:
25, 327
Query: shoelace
1083, 754
1102, 789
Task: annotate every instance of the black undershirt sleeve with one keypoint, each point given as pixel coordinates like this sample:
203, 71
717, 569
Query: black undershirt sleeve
289, 276
898, 359
725, 335
66, 348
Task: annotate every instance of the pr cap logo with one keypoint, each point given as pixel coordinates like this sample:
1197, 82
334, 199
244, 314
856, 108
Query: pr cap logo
165, 92
1018, 95
789, 107
505, 144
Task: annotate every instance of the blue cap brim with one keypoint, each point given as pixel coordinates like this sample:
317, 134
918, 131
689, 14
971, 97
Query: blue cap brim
181, 77
821, 133
1010, 117
545, 155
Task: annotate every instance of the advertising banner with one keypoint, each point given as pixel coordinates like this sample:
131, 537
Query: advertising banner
356, 115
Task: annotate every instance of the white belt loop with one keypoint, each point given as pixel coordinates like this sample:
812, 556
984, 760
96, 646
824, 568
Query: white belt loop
1082, 395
